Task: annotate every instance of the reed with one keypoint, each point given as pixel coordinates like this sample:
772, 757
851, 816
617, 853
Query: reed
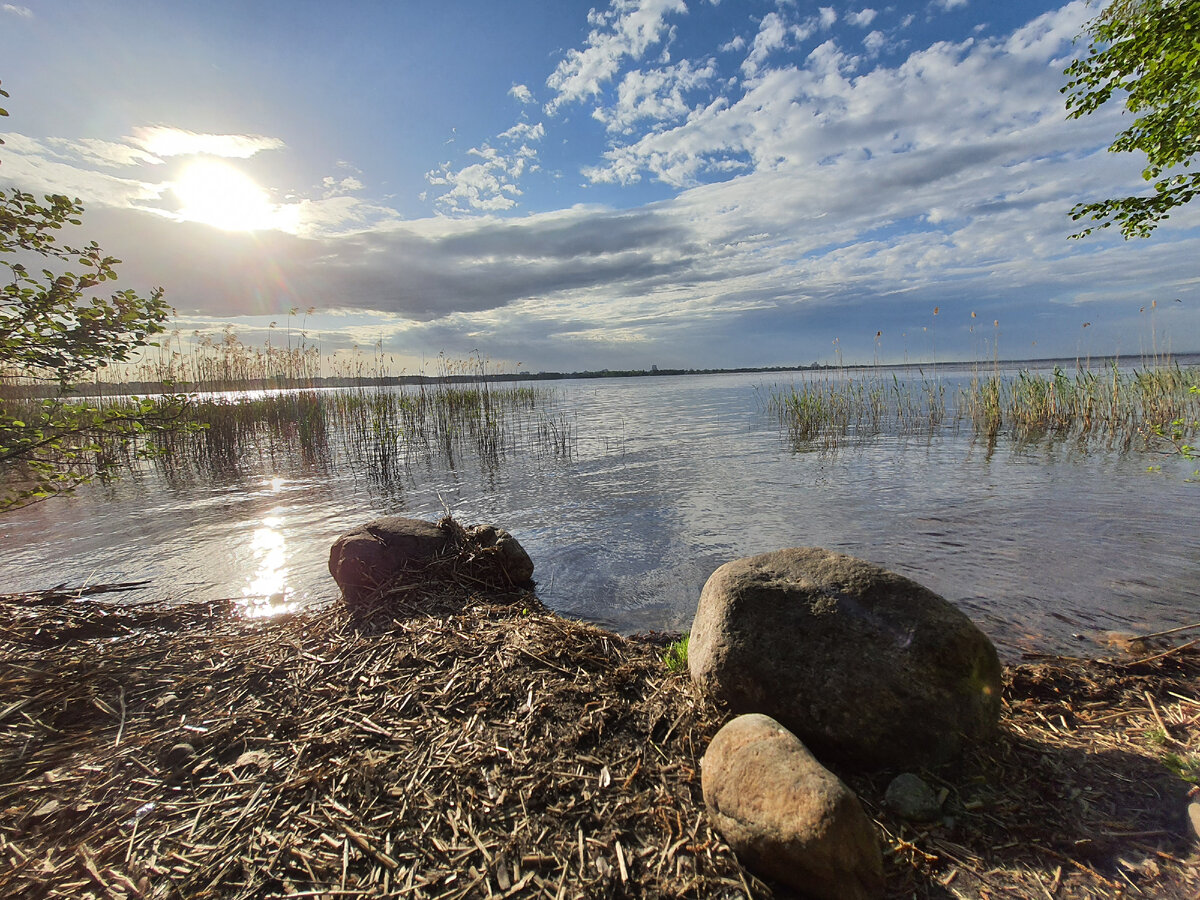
1119, 409
831, 411
380, 433
253, 406
1116, 408
223, 362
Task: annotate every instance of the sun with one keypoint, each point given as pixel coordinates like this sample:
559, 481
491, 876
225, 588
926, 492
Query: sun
217, 194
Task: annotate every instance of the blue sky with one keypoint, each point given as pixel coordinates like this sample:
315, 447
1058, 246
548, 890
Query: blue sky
649, 182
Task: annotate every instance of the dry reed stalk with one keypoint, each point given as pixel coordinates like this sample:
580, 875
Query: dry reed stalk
447, 756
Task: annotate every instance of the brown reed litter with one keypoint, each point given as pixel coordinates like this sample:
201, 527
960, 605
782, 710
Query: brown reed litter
496, 750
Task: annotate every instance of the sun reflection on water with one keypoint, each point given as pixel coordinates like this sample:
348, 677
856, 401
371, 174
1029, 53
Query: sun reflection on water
267, 593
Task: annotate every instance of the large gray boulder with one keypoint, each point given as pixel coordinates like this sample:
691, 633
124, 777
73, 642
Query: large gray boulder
788, 817
369, 558
869, 669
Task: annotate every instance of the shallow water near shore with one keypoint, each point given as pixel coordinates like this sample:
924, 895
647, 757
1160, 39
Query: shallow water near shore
1047, 547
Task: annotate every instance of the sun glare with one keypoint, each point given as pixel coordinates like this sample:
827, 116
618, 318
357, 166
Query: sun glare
217, 194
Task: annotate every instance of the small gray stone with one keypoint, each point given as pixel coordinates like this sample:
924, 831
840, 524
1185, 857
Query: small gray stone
786, 815
178, 758
911, 798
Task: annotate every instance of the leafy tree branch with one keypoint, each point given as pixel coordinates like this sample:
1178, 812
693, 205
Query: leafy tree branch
57, 328
1146, 53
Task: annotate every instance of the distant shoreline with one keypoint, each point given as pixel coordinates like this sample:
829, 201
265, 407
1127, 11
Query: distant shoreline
281, 383
1192, 358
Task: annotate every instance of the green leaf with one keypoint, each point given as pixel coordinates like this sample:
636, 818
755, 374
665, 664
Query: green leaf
1146, 52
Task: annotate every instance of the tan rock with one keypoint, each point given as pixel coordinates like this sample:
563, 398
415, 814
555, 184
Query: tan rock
786, 816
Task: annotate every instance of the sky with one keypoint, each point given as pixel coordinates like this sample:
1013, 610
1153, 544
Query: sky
561, 186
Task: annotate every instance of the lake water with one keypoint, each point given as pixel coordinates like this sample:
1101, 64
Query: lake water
1046, 547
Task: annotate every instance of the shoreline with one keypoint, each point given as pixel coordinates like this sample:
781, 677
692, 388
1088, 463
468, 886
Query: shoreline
476, 744
932, 366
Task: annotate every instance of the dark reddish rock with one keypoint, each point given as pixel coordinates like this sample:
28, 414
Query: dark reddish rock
369, 558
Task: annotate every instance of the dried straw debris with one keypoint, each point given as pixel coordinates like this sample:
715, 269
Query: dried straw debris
500, 751
492, 749
1080, 797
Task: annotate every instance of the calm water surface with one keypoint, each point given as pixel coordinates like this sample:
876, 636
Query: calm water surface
1047, 548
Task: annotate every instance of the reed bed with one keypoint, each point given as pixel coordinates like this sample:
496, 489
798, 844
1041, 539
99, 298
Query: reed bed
474, 745
1116, 409
1119, 409
379, 433
829, 412
224, 363
229, 409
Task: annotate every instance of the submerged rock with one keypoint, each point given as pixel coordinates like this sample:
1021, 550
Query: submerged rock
788, 817
369, 558
868, 668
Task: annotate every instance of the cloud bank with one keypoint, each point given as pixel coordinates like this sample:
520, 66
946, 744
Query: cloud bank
819, 176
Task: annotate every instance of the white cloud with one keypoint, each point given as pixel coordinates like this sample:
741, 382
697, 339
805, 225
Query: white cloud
656, 96
336, 187
523, 131
164, 141
794, 118
41, 166
737, 42
521, 93
23, 11
91, 151
486, 186
805, 30
336, 214
828, 16
1046, 36
626, 30
772, 35
862, 18
621, 168
951, 4
874, 42
489, 185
